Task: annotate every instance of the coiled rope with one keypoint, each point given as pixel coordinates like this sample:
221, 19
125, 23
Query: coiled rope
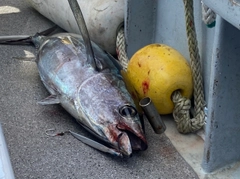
182, 105
121, 48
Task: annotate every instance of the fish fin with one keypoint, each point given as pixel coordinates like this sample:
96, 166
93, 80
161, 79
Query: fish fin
16, 40
115, 62
26, 39
52, 30
52, 99
76, 10
95, 144
27, 59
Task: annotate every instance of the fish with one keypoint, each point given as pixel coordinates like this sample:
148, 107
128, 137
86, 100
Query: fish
86, 81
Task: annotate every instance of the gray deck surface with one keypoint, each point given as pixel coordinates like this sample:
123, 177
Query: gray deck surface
35, 155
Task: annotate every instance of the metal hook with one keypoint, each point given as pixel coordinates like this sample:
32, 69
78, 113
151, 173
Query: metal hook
47, 132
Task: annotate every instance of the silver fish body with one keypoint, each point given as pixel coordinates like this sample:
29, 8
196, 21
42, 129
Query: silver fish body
96, 98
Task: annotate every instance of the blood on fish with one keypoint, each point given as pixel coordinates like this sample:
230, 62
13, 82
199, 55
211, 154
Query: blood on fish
113, 132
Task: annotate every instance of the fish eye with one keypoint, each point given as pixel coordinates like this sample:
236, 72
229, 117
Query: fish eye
127, 111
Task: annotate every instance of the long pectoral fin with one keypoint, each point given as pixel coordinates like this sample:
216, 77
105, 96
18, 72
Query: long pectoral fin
26, 59
95, 144
52, 99
115, 62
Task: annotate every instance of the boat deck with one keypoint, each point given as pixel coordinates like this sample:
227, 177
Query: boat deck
33, 154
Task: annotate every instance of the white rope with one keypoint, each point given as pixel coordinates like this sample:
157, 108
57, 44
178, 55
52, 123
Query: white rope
208, 15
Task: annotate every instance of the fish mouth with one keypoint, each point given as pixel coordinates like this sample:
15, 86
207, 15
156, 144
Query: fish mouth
133, 129
127, 140
136, 142
131, 140
124, 145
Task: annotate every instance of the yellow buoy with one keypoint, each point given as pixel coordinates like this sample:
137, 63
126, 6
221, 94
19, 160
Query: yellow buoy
156, 71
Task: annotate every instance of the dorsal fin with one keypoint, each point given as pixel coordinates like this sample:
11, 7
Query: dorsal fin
83, 29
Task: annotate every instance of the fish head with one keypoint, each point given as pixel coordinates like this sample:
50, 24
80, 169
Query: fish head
125, 132
110, 113
127, 129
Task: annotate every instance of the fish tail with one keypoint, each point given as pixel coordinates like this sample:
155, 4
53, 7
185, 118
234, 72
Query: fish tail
15, 40
25, 39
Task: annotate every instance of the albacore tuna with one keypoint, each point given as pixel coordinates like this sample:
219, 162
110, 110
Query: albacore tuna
98, 99
91, 89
